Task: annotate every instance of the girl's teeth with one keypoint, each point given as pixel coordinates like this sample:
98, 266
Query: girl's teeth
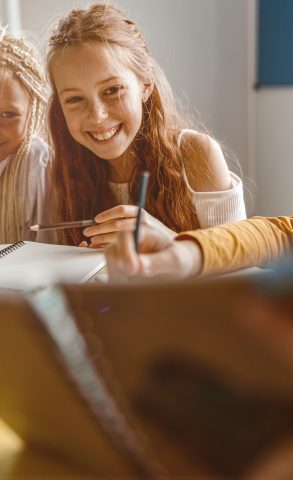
105, 135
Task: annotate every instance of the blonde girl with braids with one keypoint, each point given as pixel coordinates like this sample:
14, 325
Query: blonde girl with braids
24, 156
112, 115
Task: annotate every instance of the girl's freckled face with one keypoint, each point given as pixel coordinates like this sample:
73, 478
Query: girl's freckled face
101, 99
14, 113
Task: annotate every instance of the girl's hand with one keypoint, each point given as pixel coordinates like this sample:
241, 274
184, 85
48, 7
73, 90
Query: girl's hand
122, 217
159, 256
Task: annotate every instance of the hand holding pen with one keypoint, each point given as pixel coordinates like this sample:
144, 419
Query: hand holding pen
103, 229
121, 217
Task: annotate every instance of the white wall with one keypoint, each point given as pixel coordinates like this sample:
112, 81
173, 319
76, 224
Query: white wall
270, 136
202, 46
2, 13
274, 150
10, 15
3, 18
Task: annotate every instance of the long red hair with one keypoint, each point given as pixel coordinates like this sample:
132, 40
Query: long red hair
79, 176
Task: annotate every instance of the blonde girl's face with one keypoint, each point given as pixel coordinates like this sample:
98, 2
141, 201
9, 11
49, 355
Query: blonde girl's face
101, 100
14, 113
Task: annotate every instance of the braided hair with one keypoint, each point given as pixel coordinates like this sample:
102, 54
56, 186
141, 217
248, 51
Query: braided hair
19, 58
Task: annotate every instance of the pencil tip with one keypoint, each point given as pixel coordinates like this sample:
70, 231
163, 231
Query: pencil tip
34, 228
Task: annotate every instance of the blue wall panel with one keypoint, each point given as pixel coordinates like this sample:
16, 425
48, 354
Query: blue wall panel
275, 42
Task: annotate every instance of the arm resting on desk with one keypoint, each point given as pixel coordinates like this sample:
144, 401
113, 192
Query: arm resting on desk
258, 241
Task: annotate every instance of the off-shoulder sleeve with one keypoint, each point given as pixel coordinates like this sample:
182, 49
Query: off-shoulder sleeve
216, 208
258, 241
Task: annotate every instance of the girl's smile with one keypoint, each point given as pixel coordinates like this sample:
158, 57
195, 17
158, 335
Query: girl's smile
106, 134
101, 99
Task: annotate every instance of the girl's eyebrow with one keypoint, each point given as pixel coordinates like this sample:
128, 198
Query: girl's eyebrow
70, 89
9, 106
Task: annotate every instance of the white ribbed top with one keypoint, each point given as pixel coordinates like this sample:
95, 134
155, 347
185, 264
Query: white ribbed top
216, 208
212, 208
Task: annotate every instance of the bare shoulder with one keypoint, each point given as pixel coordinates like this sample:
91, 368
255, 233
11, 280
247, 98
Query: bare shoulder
205, 165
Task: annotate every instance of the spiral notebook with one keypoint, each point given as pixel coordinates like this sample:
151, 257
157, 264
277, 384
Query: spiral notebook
26, 265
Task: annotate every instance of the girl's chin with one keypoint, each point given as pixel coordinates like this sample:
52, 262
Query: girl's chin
111, 156
110, 152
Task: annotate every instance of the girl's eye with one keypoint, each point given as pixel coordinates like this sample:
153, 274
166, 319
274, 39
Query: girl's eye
8, 114
73, 100
113, 90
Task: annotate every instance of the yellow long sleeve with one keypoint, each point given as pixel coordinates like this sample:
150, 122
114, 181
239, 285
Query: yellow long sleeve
258, 241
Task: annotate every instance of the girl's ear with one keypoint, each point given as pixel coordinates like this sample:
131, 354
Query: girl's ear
147, 90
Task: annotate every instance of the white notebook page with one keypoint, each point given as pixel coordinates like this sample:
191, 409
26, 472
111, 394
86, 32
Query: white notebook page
35, 264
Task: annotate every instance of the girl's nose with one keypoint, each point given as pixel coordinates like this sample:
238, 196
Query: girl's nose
98, 112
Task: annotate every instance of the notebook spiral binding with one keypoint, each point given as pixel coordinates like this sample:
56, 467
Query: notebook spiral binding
7, 250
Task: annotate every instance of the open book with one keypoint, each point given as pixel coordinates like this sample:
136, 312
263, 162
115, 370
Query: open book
25, 265
143, 382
